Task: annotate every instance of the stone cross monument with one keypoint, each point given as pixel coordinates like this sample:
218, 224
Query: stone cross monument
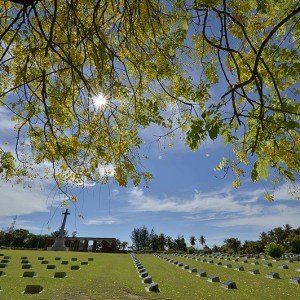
59, 244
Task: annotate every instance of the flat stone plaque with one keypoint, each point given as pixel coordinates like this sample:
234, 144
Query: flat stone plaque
60, 274
144, 274
57, 258
254, 271
2, 266
40, 258
2, 273
283, 267
185, 267
152, 287
90, 259
295, 280
239, 268
180, 264
25, 261
26, 266
147, 279
193, 270
33, 289
74, 258
29, 274
84, 263
202, 274
51, 267
64, 262
228, 266
45, 262
5, 261
213, 278
75, 267
229, 285
273, 275
218, 263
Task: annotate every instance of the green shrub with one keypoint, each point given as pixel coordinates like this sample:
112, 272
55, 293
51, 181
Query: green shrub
274, 250
190, 250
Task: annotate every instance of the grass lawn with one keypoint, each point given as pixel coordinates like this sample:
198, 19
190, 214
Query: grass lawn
114, 276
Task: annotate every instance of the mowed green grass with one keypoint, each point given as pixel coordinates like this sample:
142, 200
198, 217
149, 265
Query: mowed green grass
114, 276
178, 283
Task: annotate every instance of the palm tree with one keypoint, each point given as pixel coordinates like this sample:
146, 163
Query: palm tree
202, 240
192, 240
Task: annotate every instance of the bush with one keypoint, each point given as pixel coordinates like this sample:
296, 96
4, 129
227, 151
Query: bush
190, 250
274, 250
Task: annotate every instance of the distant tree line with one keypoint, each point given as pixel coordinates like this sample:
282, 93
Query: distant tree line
284, 238
22, 238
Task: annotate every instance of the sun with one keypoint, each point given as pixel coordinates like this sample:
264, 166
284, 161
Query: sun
100, 100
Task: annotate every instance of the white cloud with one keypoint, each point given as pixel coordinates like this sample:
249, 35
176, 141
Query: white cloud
108, 220
17, 200
219, 201
221, 208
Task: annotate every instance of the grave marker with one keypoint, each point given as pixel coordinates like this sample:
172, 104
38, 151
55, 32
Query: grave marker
283, 267
229, 285
239, 268
254, 271
26, 266
33, 289
213, 278
193, 270
25, 261
2, 266
64, 262
295, 280
269, 264
273, 275
60, 274
202, 274
147, 279
2, 273
51, 267
29, 274
75, 267
143, 274
153, 287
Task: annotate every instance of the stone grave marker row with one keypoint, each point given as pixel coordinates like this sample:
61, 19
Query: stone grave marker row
143, 274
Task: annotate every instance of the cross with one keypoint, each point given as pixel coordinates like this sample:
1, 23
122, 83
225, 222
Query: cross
62, 229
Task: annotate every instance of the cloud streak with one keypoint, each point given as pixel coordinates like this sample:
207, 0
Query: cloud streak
224, 208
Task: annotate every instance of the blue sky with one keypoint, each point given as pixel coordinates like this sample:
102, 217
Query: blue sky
186, 197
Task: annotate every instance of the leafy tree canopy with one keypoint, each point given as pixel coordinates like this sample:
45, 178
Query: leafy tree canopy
155, 62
